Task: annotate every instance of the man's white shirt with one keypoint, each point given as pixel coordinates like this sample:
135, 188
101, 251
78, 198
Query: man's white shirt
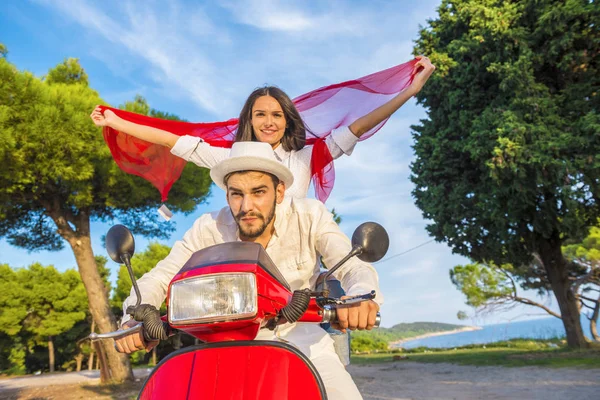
304, 231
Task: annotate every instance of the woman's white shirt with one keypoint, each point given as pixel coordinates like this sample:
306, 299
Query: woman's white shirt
341, 141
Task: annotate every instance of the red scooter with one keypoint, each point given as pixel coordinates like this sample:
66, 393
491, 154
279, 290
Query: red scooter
223, 296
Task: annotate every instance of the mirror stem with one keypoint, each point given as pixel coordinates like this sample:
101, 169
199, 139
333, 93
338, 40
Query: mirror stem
126, 258
356, 250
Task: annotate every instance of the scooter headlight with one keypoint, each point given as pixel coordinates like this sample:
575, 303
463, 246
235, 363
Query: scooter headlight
210, 298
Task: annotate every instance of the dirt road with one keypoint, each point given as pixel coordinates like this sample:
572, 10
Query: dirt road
410, 380
389, 381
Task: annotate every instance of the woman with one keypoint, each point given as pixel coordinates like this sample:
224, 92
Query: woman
270, 116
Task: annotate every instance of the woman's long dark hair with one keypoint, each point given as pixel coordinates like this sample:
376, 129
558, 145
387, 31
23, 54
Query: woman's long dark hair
294, 137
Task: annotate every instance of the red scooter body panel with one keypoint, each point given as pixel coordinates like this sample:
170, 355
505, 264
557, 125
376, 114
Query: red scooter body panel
243, 370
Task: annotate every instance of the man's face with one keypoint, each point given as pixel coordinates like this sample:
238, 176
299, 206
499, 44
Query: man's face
252, 198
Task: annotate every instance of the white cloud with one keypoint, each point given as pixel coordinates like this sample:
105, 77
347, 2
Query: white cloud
160, 40
213, 56
269, 15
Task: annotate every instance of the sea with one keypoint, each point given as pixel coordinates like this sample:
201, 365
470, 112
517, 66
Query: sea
544, 328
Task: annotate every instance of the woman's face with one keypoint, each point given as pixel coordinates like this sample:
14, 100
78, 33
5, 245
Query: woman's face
268, 120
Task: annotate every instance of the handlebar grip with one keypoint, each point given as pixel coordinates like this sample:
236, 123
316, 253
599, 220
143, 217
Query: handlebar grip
154, 328
330, 316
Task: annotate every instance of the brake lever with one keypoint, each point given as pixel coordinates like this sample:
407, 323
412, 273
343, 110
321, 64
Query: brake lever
355, 299
113, 335
328, 301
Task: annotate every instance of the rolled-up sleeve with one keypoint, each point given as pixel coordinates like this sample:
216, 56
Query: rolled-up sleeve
341, 141
357, 277
202, 154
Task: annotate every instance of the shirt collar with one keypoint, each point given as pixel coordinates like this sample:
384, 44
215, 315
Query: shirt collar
280, 216
280, 152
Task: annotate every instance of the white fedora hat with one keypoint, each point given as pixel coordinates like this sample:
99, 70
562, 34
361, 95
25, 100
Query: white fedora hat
251, 156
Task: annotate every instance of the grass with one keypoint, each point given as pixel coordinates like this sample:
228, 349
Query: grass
513, 353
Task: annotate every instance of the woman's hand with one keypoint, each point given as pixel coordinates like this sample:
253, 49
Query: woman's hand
105, 119
423, 68
147, 133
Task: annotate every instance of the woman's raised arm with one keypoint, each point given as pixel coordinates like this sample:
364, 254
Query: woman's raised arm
147, 133
424, 69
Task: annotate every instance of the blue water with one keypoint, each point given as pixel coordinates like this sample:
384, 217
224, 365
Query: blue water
533, 329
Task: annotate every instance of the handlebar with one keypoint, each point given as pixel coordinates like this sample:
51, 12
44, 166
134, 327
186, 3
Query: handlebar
330, 312
330, 316
321, 314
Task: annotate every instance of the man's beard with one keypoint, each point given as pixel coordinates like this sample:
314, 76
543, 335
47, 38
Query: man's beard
255, 232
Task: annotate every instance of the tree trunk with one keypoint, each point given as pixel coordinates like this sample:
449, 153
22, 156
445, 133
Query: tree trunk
51, 353
91, 359
104, 370
119, 368
79, 360
556, 268
594, 321
177, 341
118, 364
154, 356
594, 330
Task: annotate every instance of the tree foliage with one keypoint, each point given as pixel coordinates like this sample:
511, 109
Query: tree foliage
37, 304
68, 72
511, 148
508, 162
58, 176
56, 159
587, 252
489, 288
141, 263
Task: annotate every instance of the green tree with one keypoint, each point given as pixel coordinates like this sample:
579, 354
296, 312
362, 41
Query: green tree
587, 286
362, 343
41, 301
489, 288
141, 263
336, 217
58, 176
462, 315
68, 72
508, 160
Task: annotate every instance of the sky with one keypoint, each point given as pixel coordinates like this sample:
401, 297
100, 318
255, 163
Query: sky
200, 60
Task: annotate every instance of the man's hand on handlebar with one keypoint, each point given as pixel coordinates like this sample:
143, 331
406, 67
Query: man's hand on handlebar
356, 316
134, 341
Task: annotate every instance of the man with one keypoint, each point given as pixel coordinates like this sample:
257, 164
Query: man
295, 234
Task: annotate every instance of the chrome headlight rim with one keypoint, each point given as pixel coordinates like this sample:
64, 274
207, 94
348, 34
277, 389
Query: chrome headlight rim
218, 318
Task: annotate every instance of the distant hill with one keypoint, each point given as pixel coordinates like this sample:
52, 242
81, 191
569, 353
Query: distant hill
380, 337
406, 330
